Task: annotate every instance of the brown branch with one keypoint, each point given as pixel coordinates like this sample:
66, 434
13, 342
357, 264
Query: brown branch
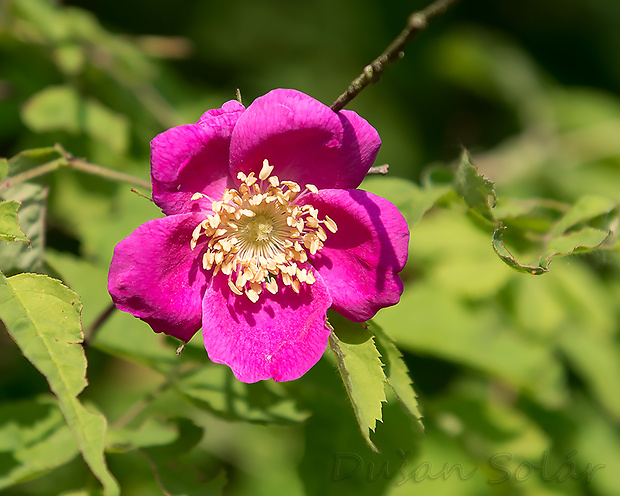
372, 72
96, 325
71, 162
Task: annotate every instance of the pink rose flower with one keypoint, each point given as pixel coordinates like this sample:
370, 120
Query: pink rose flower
264, 231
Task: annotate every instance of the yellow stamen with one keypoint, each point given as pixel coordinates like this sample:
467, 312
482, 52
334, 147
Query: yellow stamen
258, 233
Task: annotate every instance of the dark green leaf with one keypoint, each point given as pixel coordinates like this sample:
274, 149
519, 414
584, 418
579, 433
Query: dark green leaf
334, 447
34, 439
152, 432
9, 223
43, 318
215, 389
182, 468
477, 191
19, 256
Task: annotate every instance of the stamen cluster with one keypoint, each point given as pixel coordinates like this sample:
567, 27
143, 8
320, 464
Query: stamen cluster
257, 232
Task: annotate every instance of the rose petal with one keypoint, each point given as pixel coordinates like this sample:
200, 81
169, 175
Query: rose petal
360, 262
280, 336
304, 140
155, 276
193, 158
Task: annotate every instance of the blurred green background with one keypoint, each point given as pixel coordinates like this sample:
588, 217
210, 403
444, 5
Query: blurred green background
518, 375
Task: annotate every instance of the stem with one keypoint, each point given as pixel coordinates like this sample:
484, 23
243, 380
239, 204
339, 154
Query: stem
68, 160
92, 331
40, 170
372, 72
112, 175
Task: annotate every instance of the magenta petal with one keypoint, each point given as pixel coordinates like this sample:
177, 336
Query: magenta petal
304, 140
193, 158
280, 336
155, 276
360, 262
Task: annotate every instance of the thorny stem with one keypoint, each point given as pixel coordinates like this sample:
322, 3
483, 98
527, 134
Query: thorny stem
372, 72
68, 160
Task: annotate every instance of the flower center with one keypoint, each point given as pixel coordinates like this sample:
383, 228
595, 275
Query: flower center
257, 232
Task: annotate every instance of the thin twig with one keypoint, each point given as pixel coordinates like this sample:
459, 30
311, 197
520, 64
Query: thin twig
111, 174
134, 190
372, 72
71, 162
96, 325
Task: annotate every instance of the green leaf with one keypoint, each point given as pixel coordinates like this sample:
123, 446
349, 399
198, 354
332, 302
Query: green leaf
35, 439
20, 257
361, 370
9, 223
560, 240
509, 259
152, 432
584, 210
177, 471
397, 372
587, 239
412, 201
62, 108
431, 321
334, 446
34, 157
215, 389
596, 359
475, 188
43, 318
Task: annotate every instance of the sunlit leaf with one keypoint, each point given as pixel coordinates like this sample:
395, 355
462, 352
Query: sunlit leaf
587, 239
412, 201
362, 373
397, 372
43, 318
429, 321
477, 191
9, 223
561, 240
4, 168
